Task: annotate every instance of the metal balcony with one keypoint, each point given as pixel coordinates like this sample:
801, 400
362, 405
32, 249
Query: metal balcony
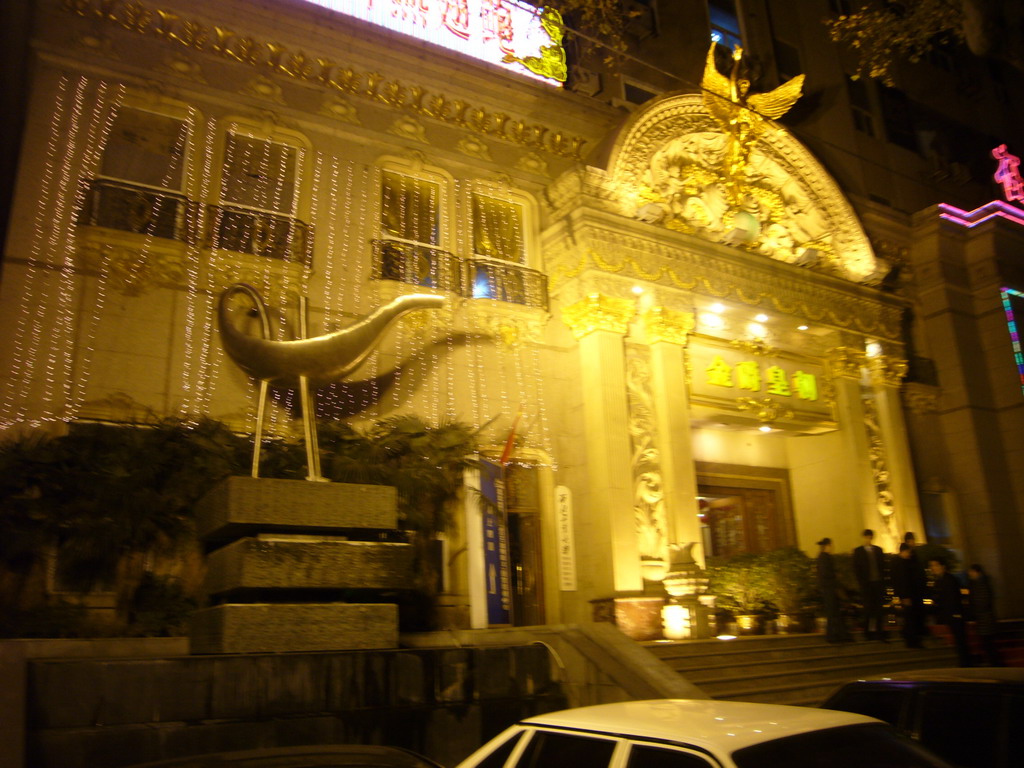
475, 278
130, 208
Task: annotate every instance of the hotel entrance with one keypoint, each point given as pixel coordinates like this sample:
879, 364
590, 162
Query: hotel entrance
743, 509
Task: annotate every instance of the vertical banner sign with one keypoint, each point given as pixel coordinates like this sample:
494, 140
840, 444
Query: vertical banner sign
566, 542
496, 564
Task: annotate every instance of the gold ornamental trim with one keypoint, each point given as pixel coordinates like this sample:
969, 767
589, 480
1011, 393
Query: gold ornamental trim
920, 398
599, 313
672, 326
755, 347
845, 363
765, 409
279, 59
888, 371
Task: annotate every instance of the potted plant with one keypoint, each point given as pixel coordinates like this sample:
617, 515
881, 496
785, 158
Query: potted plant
791, 583
741, 587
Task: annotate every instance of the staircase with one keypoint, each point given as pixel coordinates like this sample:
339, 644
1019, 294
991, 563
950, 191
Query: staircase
790, 669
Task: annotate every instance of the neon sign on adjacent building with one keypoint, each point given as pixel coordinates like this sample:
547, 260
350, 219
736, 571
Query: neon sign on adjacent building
501, 32
1007, 173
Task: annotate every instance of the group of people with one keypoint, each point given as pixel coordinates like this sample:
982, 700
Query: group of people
917, 586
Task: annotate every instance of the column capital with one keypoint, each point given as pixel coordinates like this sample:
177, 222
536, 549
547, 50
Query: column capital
597, 312
845, 362
887, 371
661, 324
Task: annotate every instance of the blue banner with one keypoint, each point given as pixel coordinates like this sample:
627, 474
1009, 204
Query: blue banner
496, 563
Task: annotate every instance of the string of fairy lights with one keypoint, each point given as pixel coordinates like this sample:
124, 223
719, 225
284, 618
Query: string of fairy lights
243, 184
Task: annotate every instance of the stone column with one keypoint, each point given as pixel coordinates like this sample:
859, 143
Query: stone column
886, 376
860, 510
606, 531
667, 333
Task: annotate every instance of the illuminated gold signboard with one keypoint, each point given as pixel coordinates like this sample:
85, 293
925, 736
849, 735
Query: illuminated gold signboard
760, 383
508, 33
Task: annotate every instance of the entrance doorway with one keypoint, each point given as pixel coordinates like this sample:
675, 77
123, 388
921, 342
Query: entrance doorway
743, 509
524, 538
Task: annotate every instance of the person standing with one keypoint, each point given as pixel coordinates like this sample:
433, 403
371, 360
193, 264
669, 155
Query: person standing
828, 585
869, 566
909, 585
948, 606
981, 599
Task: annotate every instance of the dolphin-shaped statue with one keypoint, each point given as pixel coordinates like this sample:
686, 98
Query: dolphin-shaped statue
305, 362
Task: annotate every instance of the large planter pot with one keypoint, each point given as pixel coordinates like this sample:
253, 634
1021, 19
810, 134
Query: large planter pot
748, 624
794, 623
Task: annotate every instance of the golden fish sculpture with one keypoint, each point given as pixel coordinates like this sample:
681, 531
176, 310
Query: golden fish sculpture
305, 363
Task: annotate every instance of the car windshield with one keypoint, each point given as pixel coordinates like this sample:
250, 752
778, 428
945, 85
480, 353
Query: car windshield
851, 746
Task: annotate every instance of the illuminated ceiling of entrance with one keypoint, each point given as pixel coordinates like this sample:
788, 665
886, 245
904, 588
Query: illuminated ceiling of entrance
667, 168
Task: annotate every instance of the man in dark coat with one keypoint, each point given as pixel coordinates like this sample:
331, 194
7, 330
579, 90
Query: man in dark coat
909, 585
828, 585
981, 599
948, 606
869, 566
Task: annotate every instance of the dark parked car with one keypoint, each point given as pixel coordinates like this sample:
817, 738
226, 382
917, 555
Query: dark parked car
319, 756
974, 718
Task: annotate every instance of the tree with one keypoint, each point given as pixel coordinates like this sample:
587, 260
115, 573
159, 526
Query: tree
884, 35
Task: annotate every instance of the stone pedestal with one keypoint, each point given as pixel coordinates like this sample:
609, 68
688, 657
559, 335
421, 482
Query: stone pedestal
283, 553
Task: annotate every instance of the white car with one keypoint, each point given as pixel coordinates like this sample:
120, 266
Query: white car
700, 733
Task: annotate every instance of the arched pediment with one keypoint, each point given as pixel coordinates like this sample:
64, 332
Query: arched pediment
666, 166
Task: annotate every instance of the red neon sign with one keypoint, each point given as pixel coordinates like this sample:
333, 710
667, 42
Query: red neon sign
1008, 173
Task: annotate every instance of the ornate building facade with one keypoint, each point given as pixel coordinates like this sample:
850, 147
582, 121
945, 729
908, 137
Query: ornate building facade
706, 331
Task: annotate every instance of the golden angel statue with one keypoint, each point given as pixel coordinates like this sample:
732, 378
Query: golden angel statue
741, 113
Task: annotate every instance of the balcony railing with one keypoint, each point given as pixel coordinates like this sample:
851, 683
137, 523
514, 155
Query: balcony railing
475, 278
129, 208
261, 234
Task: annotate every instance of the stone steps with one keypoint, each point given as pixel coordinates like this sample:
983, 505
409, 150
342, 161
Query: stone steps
790, 669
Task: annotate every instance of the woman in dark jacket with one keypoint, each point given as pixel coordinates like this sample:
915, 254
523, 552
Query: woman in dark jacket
982, 603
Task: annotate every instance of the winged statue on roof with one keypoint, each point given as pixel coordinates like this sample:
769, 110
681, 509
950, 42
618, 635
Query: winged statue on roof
742, 115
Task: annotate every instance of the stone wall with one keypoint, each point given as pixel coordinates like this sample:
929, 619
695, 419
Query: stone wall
443, 703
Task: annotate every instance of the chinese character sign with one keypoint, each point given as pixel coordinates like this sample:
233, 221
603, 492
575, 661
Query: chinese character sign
722, 373
500, 32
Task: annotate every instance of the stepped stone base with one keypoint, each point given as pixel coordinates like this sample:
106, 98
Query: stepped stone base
242, 505
307, 562
280, 627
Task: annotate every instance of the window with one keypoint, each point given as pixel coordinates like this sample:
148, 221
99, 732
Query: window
259, 198
643, 756
558, 750
787, 60
898, 113
725, 23
410, 208
259, 174
498, 229
497, 758
946, 715
860, 106
139, 185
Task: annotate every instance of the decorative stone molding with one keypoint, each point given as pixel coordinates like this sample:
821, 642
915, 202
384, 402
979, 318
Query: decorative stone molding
473, 147
263, 88
269, 56
182, 67
340, 109
409, 128
884, 501
599, 313
887, 371
648, 490
661, 324
596, 241
920, 399
533, 163
757, 347
765, 409
132, 270
671, 155
845, 363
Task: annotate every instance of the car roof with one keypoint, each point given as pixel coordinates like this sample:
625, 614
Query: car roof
715, 725
951, 675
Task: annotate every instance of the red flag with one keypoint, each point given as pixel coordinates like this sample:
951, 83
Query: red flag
511, 442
